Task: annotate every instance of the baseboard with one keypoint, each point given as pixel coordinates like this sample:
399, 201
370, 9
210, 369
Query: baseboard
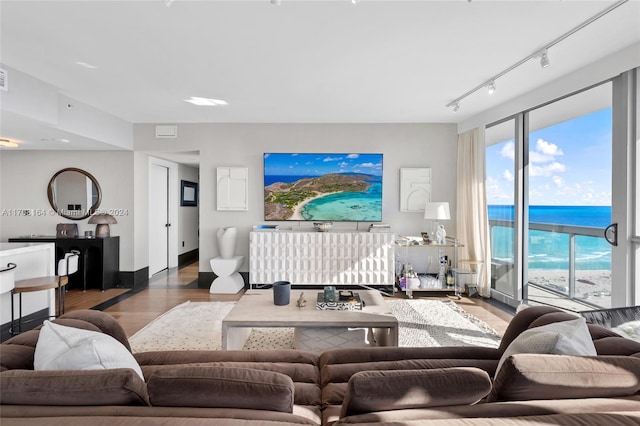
134, 279
206, 278
188, 258
29, 322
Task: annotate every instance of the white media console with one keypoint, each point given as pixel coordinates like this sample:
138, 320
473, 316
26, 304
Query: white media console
321, 258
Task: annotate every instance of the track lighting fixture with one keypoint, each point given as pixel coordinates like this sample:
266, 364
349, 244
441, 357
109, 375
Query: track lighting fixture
276, 2
544, 59
355, 1
543, 54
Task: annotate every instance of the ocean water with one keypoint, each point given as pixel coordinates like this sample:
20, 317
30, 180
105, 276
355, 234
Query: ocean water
346, 206
550, 250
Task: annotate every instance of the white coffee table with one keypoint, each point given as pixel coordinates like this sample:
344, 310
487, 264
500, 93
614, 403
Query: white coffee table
255, 309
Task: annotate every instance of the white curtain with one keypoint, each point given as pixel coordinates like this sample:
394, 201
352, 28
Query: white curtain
472, 216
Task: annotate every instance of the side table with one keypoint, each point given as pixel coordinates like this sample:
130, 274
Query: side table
229, 280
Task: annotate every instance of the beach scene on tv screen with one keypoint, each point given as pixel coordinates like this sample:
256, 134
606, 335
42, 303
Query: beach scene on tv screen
323, 187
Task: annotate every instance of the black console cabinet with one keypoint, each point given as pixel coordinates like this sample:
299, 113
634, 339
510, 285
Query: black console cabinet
99, 259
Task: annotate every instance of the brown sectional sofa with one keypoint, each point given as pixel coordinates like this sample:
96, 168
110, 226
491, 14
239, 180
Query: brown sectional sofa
448, 386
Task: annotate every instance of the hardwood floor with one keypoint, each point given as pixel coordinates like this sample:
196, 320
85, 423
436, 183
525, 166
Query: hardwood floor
174, 287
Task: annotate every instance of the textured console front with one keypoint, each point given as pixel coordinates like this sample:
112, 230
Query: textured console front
337, 258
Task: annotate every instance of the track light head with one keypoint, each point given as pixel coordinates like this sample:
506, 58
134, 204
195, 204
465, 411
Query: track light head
276, 2
355, 1
455, 106
544, 59
491, 87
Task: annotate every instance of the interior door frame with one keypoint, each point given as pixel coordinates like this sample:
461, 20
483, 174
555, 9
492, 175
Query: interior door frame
173, 199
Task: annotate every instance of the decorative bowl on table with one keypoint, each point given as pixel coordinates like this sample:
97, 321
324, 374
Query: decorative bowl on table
322, 226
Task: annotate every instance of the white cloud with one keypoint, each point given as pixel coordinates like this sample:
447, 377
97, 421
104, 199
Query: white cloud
507, 175
546, 170
559, 182
548, 148
353, 155
367, 165
327, 159
508, 150
343, 165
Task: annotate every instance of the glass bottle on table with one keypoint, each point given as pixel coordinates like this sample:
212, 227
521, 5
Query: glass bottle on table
451, 280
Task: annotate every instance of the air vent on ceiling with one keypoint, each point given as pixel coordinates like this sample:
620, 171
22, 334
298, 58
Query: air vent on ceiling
166, 132
4, 80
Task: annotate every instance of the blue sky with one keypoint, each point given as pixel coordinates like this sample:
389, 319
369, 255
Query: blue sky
320, 164
570, 164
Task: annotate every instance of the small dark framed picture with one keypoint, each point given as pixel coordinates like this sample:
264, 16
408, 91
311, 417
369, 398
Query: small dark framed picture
188, 193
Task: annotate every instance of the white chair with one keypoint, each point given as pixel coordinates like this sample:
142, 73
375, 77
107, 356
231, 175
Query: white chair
66, 266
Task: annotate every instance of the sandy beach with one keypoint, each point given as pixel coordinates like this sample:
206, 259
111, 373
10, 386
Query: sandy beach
594, 286
296, 211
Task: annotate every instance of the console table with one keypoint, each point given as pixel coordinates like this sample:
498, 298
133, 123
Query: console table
99, 259
321, 258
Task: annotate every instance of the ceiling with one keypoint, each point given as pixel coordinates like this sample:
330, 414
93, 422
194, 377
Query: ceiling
301, 62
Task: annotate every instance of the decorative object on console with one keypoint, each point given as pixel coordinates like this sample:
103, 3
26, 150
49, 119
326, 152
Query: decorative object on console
436, 212
67, 230
227, 241
322, 226
102, 222
281, 293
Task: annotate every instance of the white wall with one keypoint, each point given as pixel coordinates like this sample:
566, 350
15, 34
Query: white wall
242, 145
188, 217
23, 185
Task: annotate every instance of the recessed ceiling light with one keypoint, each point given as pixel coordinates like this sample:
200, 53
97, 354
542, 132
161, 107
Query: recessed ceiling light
205, 101
86, 65
8, 144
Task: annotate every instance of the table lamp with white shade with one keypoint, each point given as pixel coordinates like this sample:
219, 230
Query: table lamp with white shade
437, 211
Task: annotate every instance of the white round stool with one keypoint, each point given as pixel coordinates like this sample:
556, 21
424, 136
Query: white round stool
229, 280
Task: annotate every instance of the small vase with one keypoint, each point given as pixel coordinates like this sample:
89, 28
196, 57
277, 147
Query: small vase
227, 242
281, 293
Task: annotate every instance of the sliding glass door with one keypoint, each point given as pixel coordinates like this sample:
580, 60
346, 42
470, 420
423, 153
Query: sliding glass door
549, 189
501, 193
569, 194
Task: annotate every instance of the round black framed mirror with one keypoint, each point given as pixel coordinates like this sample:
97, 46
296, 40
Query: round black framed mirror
74, 193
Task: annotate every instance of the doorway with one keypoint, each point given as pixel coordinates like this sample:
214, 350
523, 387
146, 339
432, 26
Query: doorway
163, 202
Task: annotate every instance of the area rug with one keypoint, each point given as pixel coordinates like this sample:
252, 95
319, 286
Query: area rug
197, 326
191, 326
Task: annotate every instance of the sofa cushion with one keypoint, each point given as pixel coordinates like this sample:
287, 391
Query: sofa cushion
120, 386
68, 348
221, 387
369, 391
566, 338
535, 376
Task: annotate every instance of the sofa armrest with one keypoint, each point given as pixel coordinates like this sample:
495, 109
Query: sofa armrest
370, 391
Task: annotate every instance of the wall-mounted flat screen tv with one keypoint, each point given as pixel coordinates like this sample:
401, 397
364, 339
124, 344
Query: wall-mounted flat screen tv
323, 187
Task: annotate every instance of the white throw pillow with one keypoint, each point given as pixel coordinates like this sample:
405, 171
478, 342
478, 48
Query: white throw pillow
562, 338
69, 348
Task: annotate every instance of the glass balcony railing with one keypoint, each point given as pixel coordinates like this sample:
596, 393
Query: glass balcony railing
564, 262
